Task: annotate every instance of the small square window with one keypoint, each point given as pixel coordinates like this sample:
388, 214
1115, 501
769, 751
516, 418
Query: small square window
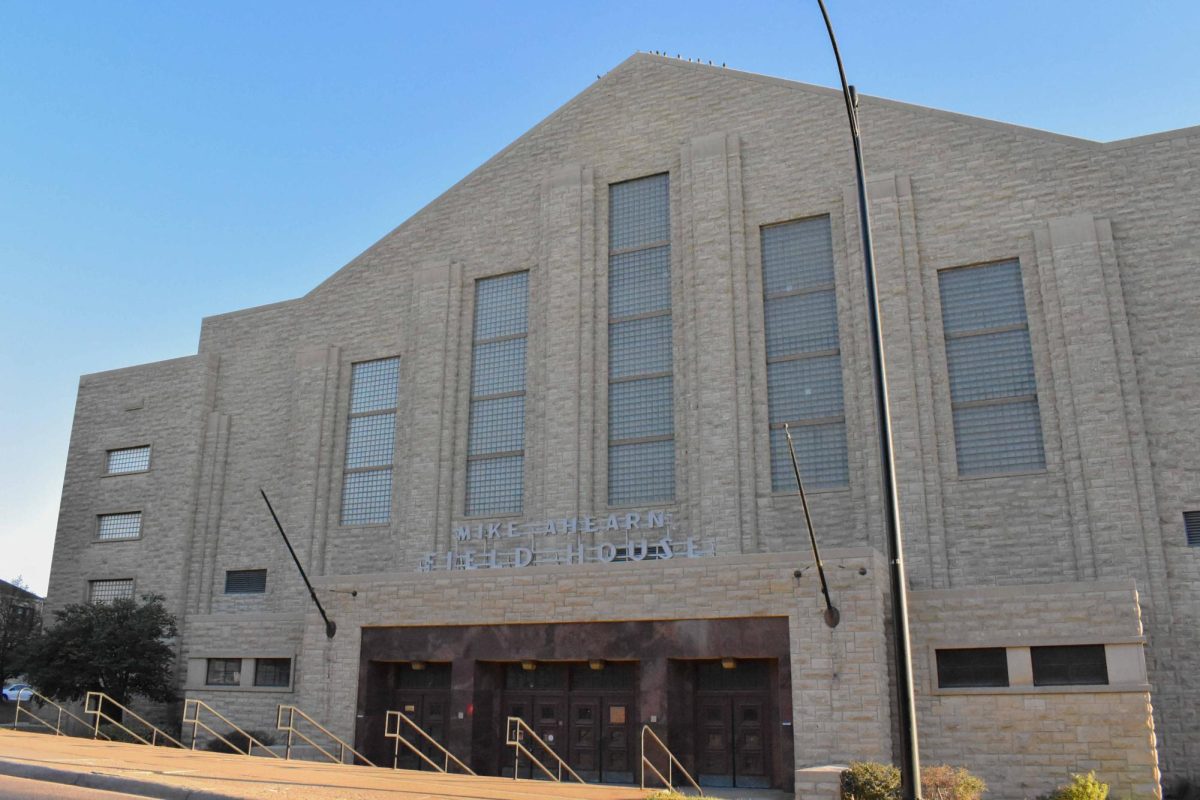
1072, 665
273, 672
127, 459
224, 672
120, 526
106, 591
245, 581
1191, 526
972, 666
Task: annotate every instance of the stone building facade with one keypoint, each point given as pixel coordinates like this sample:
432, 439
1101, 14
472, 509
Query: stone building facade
530, 447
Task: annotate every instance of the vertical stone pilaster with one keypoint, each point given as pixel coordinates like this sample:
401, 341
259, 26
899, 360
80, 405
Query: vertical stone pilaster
1097, 458
902, 300
709, 376
430, 384
567, 231
310, 454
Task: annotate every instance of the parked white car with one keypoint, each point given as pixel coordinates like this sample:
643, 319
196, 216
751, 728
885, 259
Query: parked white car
17, 691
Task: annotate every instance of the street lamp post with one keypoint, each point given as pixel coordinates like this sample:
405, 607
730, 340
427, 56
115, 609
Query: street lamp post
910, 764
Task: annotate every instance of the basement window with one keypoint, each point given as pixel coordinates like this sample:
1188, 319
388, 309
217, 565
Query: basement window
224, 672
972, 667
1069, 665
273, 672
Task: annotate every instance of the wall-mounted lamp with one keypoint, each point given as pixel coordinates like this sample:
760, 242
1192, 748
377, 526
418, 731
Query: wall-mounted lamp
418, 665
596, 663
529, 666
728, 663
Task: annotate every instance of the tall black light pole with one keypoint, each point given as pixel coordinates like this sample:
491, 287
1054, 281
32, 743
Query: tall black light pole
910, 765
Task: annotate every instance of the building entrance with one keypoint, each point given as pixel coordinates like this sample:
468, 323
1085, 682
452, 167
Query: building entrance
733, 743
585, 712
424, 697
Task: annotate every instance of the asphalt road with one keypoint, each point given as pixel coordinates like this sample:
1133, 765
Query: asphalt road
22, 789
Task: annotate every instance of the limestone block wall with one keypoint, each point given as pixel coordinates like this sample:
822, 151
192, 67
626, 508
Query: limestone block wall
1023, 739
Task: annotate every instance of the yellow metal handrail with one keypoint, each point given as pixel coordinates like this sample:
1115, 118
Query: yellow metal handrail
513, 733
97, 711
292, 730
196, 706
393, 732
58, 722
672, 762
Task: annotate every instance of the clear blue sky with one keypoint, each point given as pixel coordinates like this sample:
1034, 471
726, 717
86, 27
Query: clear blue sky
160, 162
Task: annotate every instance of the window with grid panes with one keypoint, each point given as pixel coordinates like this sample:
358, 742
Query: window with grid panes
223, 672
370, 442
641, 420
993, 393
496, 432
804, 361
127, 525
272, 671
106, 591
127, 459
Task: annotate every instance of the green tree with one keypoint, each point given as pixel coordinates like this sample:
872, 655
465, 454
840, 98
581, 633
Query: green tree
19, 621
121, 648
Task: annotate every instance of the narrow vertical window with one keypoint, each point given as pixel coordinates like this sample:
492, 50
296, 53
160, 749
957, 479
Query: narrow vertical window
993, 393
641, 420
804, 361
370, 442
496, 435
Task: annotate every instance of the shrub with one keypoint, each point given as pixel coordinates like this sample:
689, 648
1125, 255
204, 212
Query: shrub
1081, 787
943, 782
239, 740
870, 780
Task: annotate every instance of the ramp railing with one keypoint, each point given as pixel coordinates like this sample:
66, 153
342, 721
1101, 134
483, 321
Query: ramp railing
57, 726
289, 726
393, 727
516, 733
198, 706
95, 703
672, 763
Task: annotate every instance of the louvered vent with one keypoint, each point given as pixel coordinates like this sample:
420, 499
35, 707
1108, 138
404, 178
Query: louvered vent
245, 581
1191, 524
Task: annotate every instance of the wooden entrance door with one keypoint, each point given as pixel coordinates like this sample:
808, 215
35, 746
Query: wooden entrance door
423, 695
733, 733
544, 712
427, 709
602, 737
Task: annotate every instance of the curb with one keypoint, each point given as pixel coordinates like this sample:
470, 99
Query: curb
111, 783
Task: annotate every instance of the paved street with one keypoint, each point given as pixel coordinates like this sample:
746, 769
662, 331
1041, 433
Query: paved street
25, 789
163, 772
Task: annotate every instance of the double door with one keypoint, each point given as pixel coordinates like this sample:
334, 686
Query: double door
592, 732
733, 722
428, 709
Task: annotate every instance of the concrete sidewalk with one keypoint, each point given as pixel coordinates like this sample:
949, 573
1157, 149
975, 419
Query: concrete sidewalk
183, 775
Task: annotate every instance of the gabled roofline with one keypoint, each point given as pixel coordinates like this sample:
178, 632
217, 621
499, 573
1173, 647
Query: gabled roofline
813, 88
680, 63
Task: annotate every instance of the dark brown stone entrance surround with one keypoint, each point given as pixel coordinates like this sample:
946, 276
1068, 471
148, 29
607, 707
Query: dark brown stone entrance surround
656, 645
